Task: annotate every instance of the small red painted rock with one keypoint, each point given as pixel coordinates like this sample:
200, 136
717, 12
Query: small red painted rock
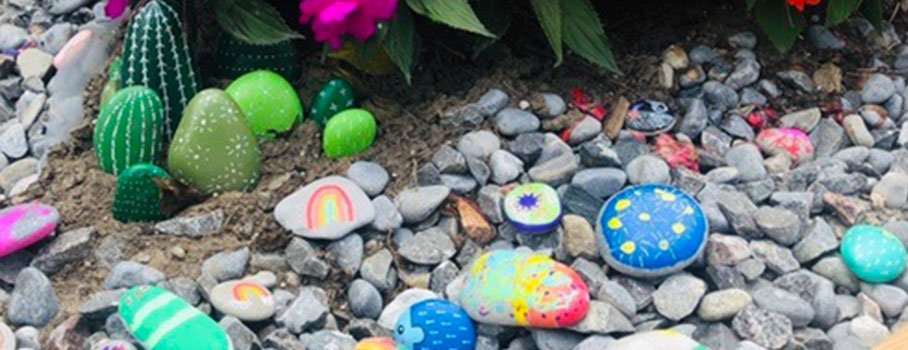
793, 142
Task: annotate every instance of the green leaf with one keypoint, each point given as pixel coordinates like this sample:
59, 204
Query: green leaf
496, 14
780, 25
583, 33
454, 13
840, 10
873, 11
253, 21
548, 12
400, 41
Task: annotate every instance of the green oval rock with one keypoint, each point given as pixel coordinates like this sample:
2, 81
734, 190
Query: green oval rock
349, 133
137, 197
213, 149
268, 101
873, 254
161, 320
335, 97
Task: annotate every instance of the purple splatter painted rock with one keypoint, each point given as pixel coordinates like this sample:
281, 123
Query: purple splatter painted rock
24, 225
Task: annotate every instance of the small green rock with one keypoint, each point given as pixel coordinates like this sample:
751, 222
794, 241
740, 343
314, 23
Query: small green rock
873, 254
268, 101
213, 149
130, 130
138, 198
335, 97
349, 133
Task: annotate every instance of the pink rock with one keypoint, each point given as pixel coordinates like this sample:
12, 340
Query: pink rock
24, 225
73, 49
793, 142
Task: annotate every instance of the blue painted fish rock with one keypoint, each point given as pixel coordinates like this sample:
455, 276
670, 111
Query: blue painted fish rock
533, 208
160, 320
656, 340
873, 254
435, 325
651, 230
650, 117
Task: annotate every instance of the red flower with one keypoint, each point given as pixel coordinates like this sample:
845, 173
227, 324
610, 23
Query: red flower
801, 4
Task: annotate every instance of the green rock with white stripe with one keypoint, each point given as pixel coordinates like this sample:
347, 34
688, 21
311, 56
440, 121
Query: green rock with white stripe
160, 320
130, 130
335, 97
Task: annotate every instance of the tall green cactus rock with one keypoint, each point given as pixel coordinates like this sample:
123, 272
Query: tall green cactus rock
349, 133
138, 198
268, 101
214, 150
114, 80
130, 130
236, 58
335, 97
156, 55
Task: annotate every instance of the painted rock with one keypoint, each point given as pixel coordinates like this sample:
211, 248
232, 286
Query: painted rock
329, 208
349, 133
114, 345
24, 225
114, 80
160, 320
533, 208
130, 130
511, 288
7, 338
246, 300
73, 49
376, 344
268, 101
793, 142
214, 150
435, 325
138, 198
236, 57
335, 97
873, 254
651, 230
661, 340
649, 117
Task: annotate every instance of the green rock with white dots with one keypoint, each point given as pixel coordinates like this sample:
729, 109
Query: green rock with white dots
138, 198
268, 101
213, 149
349, 133
130, 130
873, 254
335, 97
236, 58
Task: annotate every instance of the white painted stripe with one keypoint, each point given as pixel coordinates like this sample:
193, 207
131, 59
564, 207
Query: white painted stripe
148, 308
168, 326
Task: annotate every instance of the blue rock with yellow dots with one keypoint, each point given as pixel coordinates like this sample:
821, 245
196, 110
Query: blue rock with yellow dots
651, 230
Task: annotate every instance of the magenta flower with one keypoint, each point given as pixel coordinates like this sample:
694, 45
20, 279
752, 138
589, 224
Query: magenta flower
332, 19
115, 8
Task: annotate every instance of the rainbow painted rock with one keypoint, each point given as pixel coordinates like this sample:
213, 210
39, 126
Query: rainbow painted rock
335, 97
435, 325
792, 142
656, 340
24, 225
329, 208
376, 344
114, 345
651, 230
7, 338
533, 208
160, 320
873, 254
649, 117
268, 101
246, 300
349, 133
512, 288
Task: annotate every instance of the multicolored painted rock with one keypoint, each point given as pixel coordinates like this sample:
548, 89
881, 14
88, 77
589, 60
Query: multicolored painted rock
160, 320
335, 97
649, 117
138, 198
114, 345
873, 254
7, 338
246, 300
651, 230
793, 142
349, 133
376, 344
435, 325
533, 208
24, 225
511, 288
329, 208
268, 101
661, 340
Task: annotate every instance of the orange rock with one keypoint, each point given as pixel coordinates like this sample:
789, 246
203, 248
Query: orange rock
615, 121
473, 221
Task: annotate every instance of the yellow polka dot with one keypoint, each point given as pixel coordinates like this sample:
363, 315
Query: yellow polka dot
688, 211
668, 197
678, 228
663, 244
615, 223
628, 247
622, 204
645, 217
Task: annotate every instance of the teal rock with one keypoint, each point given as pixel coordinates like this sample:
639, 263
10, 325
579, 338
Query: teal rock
160, 320
335, 97
138, 198
873, 254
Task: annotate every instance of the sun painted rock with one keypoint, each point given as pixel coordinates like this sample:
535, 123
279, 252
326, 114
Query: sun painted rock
435, 325
376, 344
329, 208
649, 117
335, 97
268, 101
512, 288
130, 130
114, 345
160, 320
792, 142
651, 230
652, 340
214, 150
533, 208
25, 224
236, 57
114, 80
7, 338
873, 254
349, 133
138, 198
246, 300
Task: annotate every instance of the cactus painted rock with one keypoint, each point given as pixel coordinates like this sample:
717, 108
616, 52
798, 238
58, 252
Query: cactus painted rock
873, 254
435, 325
114, 80
533, 208
156, 55
25, 224
512, 288
662, 340
214, 150
269, 102
138, 198
236, 58
335, 97
130, 130
349, 133
376, 344
160, 320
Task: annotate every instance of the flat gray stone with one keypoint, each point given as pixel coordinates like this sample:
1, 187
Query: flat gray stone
417, 204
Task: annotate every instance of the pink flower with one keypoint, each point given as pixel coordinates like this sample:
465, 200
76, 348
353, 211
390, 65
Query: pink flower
332, 19
115, 8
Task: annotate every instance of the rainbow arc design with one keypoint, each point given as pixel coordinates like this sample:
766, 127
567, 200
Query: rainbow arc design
329, 204
247, 291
